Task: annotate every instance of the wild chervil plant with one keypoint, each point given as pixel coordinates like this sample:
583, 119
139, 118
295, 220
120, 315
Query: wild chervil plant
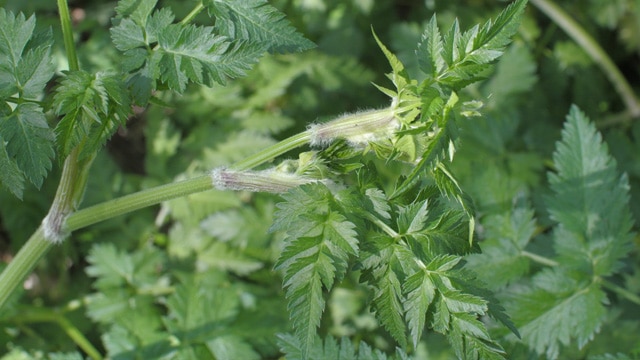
366, 234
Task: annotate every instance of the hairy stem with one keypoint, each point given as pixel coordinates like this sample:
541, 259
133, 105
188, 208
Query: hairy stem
22, 264
67, 198
62, 219
595, 51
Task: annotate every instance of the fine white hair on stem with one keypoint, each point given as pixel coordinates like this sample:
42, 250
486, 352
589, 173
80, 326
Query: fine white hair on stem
53, 227
358, 129
271, 181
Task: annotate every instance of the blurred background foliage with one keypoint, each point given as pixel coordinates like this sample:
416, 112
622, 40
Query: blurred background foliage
223, 236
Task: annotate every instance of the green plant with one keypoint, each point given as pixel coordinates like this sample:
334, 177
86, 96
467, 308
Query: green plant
368, 228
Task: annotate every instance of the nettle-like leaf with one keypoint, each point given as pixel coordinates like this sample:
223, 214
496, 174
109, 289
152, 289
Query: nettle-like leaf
92, 107
257, 21
590, 202
591, 207
317, 248
25, 68
157, 51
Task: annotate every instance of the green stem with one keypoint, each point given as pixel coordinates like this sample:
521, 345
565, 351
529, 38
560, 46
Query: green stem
67, 35
156, 195
136, 201
36, 315
621, 291
68, 194
273, 151
64, 202
539, 259
76, 335
22, 264
192, 14
591, 47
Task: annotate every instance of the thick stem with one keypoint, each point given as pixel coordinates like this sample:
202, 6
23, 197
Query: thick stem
136, 201
68, 195
591, 47
22, 264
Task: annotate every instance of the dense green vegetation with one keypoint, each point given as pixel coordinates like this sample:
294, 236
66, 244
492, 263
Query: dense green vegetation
351, 179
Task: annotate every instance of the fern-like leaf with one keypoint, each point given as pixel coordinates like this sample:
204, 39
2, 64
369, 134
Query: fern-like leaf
331, 349
157, 51
318, 245
257, 21
92, 106
456, 59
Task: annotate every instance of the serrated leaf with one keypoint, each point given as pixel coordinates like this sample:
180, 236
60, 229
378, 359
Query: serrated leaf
28, 140
331, 349
430, 50
457, 59
258, 22
497, 34
25, 68
387, 304
15, 32
221, 256
231, 347
590, 200
506, 236
557, 310
420, 293
25, 58
11, 177
158, 51
92, 106
440, 146
317, 248
197, 54
195, 311
137, 10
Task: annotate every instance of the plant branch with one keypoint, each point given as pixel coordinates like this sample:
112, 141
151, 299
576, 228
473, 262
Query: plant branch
621, 291
36, 315
196, 10
595, 51
22, 264
63, 218
67, 35
539, 259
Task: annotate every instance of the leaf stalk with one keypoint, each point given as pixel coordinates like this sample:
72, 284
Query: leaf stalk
595, 51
